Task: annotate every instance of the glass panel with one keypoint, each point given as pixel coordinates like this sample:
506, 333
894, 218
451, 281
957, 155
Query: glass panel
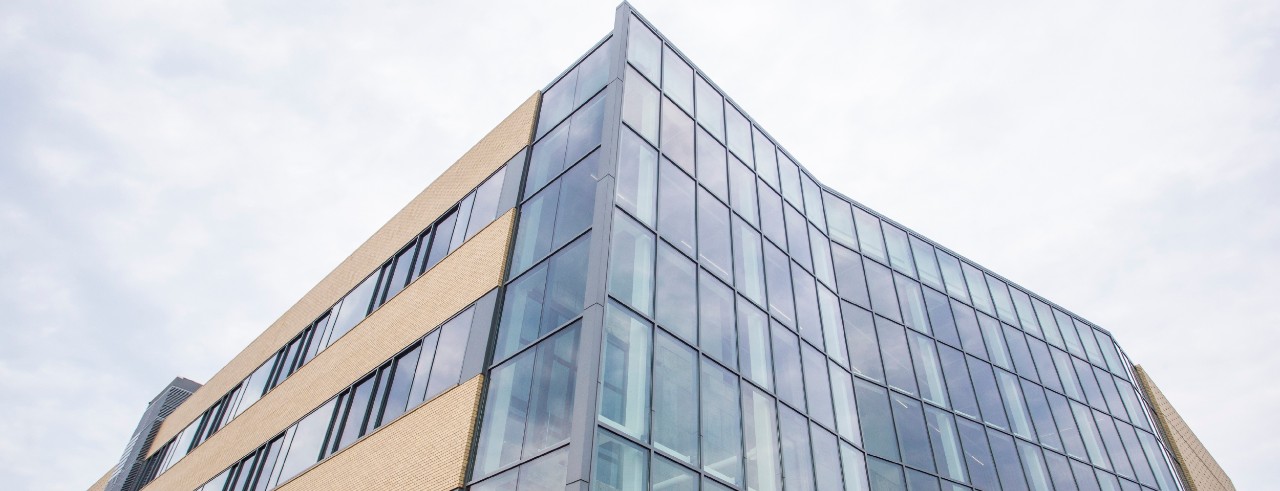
984, 381
357, 406
798, 237
593, 73
864, 352
899, 249
832, 326
269, 459
817, 385
1045, 315
1092, 392
637, 177
677, 135
402, 268
1109, 353
644, 50
624, 372
959, 387
913, 309
753, 334
940, 317
1110, 393
710, 108
506, 413
880, 284
771, 217
1020, 352
400, 385
1155, 457
897, 357
760, 438
870, 240
977, 454
849, 276
714, 251
254, 387
808, 319
631, 263
738, 133
743, 195
928, 370
846, 408
1130, 398
1111, 438
544, 225
839, 220
919, 481
748, 261
1041, 416
670, 476
1006, 458
422, 373
826, 459
877, 424
926, 264
786, 363
822, 265
1060, 469
619, 464
855, 468
1089, 433
716, 332
778, 277
797, 461
722, 425
1044, 364
1069, 334
1086, 480
978, 288
547, 473
677, 79
675, 397
1004, 305
446, 370
460, 226
909, 419
1026, 313
1013, 403
1066, 425
885, 476
544, 298
789, 175
952, 276
1066, 372
677, 302
354, 307
766, 158
945, 443
675, 204
813, 202
991, 332
1090, 344
1134, 449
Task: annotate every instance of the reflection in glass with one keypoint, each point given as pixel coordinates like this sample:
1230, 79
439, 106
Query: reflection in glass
716, 333
864, 352
675, 206
817, 385
742, 195
846, 408
624, 372
760, 440
945, 443
670, 476
928, 369
826, 458
748, 261
786, 365
877, 425
677, 135
766, 158
753, 335
675, 397
714, 251
640, 106
721, 424
619, 465
637, 177
909, 420
778, 278
676, 306
631, 263
677, 79
644, 50
869, 238
710, 107
897, 357
797, 459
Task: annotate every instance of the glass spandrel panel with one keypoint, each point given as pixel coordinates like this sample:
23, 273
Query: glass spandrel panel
637, 177
1041, 416
753, 344
817, 386
897, 357
676, 192
789, 174
766, 158
710, 107
945, 441
677, 135
670, 476
797, 458
717, 335
908, 417
846, 407
721, 424
978, 288
885, 476
777, 272
742, 192
631, 263
884, 299
993, 334
924, 356
899, 249
1006, 458
1014, 404
798, 237
864, 347
771, 216
1026, 313
959, 385
878, 433
926, 263
914, 314
675, 398
952, 276
712, 165
808, 319
982, 472
1047, 323
677, 79
870, 240
855, 468
624, 372
748, 261
940, 317
850, 280
984, 383
1004, 304
640, 104
832, 326
644, 50
738, 133
760, 440
714, 249
840, 221
786, 365
826, 458
676, 306
619, 465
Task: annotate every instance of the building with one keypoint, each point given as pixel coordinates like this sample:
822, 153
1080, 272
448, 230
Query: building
627, 284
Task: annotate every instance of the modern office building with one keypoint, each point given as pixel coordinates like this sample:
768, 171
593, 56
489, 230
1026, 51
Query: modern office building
629, 285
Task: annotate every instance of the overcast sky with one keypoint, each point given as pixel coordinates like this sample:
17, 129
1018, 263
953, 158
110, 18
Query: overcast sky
174, 175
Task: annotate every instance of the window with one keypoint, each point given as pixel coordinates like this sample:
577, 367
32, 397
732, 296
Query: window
675, 398
748, 261
1006, 460
677, 135
712, 166
354, 307
864, 352
880, 284
897, 357
401, 271
984, 381
1013, 404
909, 419
753, 345
959, 386
899, 249
760, 440
877, 424
543, 473
855, 468
742, 196
1071, 439
978, 288
786, 363
545, 225
832, 326
738, 132
710, 107
619, 464
846, 409
675, 206
870, 240
446, 369
669, 476
849, 276
716, 333
952, 276
422, 373
1004, 304
640, 106
982, 470
1020, 352
1041, 416
926, 264
928, 369
624, 372
714, 250
771, 217
826, 458
644, 50
940, 317
1026, 313
994, 337
813, 202
885, 476
1047, 324
543, 298
722, 425
797, 459
565, 145
789, 174
631, 263
676, 306
574, 88
823, 268
913, 310
946, 444
817, 386
808, 319
677, 79
766, 157
637, 177
798, 237
398, 388
777, 270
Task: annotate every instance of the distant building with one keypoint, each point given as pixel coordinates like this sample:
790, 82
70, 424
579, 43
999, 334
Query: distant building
628, 285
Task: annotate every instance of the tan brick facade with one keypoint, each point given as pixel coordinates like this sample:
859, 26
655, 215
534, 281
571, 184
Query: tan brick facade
1195, 463
468, 172
426, 449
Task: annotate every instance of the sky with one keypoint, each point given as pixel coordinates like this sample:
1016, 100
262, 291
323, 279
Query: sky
175, 175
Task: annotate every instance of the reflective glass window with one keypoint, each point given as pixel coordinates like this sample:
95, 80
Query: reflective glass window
714, 251
832, 326
959, 386
846, 408
545, 297
1110, 394
786, 365
1026, 313
742, 195
823, 268
994, 337
1041, 416
675, 206
1020, 352
789, 174
766, 158
677, 79
675, 398
1067, 373
771, 216
1134, 449
1089, 433
1069, 334
624, 372
721, 424
982, 472
919, 481
422, 372
855, 468
899, 249
716, 333
1004, 305
840, 220
978, 288
401, 271
797, 458
446, 369
670, 476
354, 307
928, 369
798, 237
1092, 392
760, 440
878, 433
1006, 459
545, 225
631, 261
398, 388
565, 145
1065, 422
817, 385
897, 357
748, 261
1134, 409
940, 317
870, 240
644, 50
677, 135
1155, 457
908, 416
619, 465
738, 133
885, 476
1014, 404
926, 264
808, 319
1090, 343
1110, 354
826, 459
914, 313
984, 383
1086, 479
946, 444
1047, 324
852, 282
637, 177
952, 276
864, 352
676, 306
356, 408
485, 208
884, 300
713, 172
1044, 364
1111, 438
753, 344
1059, 471
777, 273
710, 107
640, 103
813, 202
